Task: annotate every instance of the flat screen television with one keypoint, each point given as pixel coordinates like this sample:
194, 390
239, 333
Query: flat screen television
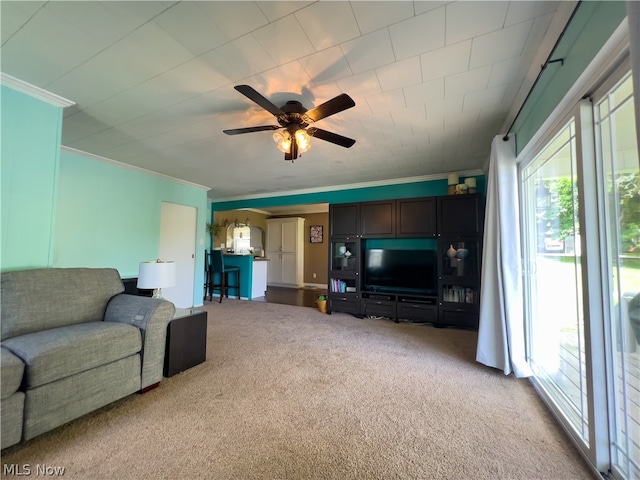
400, 271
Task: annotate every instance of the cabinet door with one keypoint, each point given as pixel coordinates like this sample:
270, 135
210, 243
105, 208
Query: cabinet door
344, 219
289, 268
458, 318
274, 247
460, 214
458, 258
416, 217
285, 251
459, 280
274, 237
274, 268
289, 236
378, 219
344, 256
344, 276
344, 303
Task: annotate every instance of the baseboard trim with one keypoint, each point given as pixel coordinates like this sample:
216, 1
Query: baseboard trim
231, 297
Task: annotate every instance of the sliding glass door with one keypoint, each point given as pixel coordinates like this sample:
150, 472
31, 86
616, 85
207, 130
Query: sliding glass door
554, 280
580, 193
617, 156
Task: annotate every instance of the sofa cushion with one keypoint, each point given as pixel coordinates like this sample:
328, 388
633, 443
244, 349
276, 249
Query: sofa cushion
11, 417
12, 373
61, 352
56, 403
40, 299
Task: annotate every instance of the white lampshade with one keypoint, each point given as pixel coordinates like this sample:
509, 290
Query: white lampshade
453, 179
156, 275
470, 182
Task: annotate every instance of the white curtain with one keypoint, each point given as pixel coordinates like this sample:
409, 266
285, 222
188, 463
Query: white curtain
501, 341
633, 17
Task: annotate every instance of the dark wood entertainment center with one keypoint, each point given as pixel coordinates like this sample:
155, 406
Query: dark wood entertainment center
454, 223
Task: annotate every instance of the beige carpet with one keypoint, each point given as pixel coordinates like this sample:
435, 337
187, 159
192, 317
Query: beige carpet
290, 393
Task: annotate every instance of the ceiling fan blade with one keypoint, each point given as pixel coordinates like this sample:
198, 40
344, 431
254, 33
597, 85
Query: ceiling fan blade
252, 94
330, 107
331, 137
262, 128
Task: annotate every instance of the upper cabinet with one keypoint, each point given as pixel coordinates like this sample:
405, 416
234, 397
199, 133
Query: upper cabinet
344, 220
378, 219
460, 215
403, 218
362, 220
416, 217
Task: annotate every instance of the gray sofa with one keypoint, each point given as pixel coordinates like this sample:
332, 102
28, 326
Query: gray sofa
72, 342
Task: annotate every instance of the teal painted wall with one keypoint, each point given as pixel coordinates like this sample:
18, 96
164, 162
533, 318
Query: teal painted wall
29, 164
63, 209
405, 190
592, 25
401, 243
109, 216
102, 221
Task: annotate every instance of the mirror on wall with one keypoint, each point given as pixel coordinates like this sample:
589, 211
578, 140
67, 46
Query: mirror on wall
243, 238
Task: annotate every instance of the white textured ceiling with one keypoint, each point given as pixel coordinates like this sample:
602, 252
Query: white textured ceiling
153, 81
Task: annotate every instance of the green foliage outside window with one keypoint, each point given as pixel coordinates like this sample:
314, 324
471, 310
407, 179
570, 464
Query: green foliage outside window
562, 209
557, 218
628, 187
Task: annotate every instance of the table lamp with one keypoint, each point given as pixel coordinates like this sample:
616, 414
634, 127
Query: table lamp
156, 275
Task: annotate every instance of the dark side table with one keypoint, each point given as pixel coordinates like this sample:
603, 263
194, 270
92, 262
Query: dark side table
186, 341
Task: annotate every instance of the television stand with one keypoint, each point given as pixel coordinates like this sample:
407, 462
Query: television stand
401, 306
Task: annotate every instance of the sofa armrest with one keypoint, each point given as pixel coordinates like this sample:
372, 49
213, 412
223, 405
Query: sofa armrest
151, 316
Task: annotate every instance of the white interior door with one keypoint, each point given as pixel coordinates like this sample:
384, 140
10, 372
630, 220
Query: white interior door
178, 244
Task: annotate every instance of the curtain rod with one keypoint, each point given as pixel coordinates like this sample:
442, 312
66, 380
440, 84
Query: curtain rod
542, 69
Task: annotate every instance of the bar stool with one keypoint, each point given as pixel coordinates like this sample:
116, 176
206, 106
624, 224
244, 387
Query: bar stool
218, 268
207, 275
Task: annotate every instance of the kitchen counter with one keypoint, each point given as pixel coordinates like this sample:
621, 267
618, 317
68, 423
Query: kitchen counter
253, 273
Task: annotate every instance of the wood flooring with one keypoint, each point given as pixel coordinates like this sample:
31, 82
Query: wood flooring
302, 297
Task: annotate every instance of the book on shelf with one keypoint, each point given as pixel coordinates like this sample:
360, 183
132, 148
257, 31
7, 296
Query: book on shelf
459, 294
338, 285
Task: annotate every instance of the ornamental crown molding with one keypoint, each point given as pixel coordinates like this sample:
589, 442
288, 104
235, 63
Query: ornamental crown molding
33, 91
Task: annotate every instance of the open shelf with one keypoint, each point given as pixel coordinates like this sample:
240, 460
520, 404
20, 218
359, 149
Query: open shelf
339, 285
460, 294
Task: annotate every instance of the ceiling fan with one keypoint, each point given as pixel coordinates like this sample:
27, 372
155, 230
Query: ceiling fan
295, 120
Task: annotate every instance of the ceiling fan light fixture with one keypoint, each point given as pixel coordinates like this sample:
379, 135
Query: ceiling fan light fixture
283, 141
293, 137
304, 140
